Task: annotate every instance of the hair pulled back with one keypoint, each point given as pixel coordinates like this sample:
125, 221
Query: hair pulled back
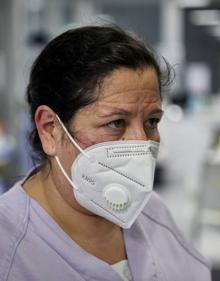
68, 70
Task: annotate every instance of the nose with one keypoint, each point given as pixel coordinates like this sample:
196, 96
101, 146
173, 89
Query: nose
135, 133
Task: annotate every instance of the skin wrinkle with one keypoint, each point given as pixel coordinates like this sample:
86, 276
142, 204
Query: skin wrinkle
111, 87
134, 92
142, 100
119, 111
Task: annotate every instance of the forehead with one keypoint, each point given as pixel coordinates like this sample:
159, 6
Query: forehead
130, 86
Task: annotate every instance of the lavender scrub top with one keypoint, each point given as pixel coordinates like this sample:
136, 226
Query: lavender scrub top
33, 247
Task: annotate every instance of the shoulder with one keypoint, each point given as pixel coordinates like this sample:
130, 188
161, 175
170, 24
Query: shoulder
14, 212
158, 215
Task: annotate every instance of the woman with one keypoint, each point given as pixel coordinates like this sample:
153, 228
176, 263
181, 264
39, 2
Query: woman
88, 211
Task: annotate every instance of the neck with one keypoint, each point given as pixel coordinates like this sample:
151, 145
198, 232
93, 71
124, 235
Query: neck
94, 234
61, 205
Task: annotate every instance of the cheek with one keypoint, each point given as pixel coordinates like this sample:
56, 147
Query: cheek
68, 155
154, 135
84, 141
90, 139
157, 137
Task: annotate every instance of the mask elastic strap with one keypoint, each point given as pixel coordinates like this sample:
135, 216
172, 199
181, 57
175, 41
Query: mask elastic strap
64, 173
71, 138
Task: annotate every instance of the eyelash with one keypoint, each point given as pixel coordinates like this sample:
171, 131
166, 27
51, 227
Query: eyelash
153, 120
114, 122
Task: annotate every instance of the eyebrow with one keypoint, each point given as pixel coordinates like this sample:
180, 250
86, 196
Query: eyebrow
128, 113
156, 111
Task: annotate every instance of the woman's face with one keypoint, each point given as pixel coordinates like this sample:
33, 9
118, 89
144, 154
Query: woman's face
128, 108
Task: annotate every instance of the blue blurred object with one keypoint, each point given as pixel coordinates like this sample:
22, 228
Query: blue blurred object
3, 186
7, 151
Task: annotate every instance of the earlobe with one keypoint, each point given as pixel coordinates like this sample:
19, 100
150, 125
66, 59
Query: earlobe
44, 120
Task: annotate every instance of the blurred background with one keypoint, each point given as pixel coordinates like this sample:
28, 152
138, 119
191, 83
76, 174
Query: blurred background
187, 34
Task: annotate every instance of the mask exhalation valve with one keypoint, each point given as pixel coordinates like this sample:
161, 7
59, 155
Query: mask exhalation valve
116, 197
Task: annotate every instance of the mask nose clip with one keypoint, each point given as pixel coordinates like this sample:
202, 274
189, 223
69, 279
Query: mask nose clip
116, 196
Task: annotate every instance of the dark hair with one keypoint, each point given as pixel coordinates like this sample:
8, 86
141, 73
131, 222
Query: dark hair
68, 70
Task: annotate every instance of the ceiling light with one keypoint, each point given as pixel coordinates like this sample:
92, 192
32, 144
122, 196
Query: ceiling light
205, 17
193, 3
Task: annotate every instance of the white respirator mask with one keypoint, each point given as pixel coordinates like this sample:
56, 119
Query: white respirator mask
113, 179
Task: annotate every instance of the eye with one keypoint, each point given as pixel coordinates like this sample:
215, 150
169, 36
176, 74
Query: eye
152, 123
116, 124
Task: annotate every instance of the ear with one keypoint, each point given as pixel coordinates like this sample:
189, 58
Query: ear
45, 119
